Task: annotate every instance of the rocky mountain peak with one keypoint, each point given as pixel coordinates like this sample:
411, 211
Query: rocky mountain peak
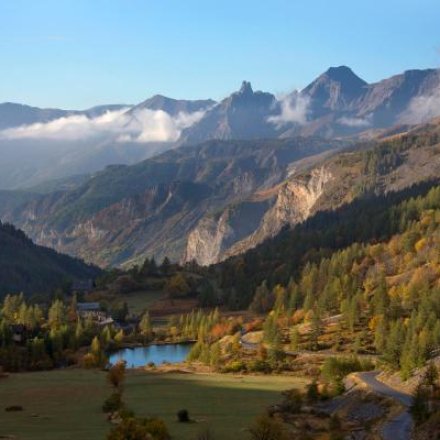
337, 89
344, 75
246, 88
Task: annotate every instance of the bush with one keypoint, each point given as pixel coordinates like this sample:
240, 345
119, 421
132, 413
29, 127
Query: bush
139, 429
259, 366
157, 428
113, 403
14, 408
234, 367
90, 360
312, 392
292, 401
266, 428
183, 416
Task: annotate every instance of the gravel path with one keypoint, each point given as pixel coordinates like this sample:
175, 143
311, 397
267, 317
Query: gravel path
400, 426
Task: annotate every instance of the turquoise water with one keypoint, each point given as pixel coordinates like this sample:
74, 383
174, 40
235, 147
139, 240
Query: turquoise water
140, 356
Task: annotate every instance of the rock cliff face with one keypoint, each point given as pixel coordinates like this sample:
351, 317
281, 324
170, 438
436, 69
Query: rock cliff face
217, 238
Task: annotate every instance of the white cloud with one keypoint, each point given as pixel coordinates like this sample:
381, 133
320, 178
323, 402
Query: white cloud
422, 109
294, 109
143, 126
355, 122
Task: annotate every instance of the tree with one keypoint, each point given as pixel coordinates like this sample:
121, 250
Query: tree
215, 354
431, 376
315, 331
263, 299
116, 375
165, 266
177, 286
119, 337
145, 327
56, 316
96, 356
419, 406
294, 338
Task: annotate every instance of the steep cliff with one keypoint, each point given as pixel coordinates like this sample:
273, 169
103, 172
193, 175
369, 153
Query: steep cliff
215, 239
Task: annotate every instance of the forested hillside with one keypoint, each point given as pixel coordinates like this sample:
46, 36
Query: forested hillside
376, 262
26, 267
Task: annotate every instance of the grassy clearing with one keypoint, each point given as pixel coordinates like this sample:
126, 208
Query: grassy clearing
140, 301
67, 404
137, 302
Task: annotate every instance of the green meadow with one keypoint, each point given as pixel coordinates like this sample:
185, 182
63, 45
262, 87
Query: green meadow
66, 404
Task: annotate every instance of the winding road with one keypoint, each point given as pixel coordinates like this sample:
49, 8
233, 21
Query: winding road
400, 426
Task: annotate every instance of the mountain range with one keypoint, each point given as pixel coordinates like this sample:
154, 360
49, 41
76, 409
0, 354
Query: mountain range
39, 145
219, 198
235, 172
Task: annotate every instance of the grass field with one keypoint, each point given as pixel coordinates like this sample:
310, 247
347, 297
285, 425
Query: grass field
139, 301
67, 404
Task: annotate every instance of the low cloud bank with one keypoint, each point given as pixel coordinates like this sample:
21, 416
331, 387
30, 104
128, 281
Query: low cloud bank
143, 126
355, 122
422, 109
294, 109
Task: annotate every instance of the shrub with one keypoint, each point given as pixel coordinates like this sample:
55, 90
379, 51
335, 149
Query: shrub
157, 428
259, 366
90, 360
292, 401
312, 392
132, 428
113, 403
266, 428
234, 367
183, 416
14, 408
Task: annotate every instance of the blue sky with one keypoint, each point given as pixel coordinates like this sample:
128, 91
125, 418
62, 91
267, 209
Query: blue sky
78, 53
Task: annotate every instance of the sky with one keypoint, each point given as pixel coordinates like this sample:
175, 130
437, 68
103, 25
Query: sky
79, 53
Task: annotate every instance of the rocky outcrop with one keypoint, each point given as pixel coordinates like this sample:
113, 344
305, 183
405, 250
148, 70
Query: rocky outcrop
217, 238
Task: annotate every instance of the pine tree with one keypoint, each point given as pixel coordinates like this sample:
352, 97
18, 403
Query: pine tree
145, 327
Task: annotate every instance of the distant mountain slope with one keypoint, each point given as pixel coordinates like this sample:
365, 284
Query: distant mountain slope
128, 212
172, 106
26, 267
341, 103
243, 115
40, 145
16, 115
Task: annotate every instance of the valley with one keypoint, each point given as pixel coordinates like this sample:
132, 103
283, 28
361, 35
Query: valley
210, 259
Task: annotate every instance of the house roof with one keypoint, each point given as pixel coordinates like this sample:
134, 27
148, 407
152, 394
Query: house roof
88, 307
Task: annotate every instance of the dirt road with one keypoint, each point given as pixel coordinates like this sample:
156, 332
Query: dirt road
400, 426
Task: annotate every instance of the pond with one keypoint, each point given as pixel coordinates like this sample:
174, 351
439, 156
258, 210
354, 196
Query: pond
159, 354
